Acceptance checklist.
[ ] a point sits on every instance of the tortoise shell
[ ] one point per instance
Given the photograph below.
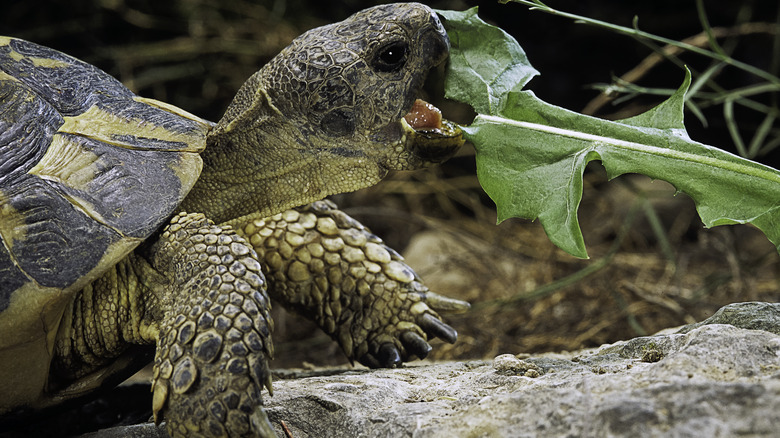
(88, 170)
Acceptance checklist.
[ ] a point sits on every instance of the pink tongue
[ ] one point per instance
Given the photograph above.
(423, 116)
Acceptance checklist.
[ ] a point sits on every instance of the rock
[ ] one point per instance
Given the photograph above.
(717, 378)
(754, 316)
(708, 379)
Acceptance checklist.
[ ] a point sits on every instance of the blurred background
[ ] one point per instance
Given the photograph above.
(652, 264)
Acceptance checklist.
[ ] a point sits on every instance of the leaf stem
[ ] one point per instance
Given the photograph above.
(731, 124)
(639, 34)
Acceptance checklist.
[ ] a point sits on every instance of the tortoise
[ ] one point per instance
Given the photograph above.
(131, 228)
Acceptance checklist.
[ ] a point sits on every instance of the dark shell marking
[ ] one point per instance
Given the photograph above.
(80, 155)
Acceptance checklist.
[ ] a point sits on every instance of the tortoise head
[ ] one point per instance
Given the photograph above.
(351, 84)
(338, 108)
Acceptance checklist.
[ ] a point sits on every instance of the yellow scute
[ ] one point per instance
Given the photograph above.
(38, 62)
(206, 125)
(48, 62)
(67, 162)
(107, 127)
(6, 77)
(29, 326)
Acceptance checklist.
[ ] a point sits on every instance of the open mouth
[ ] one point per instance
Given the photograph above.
(423, 116)
(433, 138)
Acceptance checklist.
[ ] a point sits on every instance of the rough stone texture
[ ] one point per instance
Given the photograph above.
(717, 380)
(755, 316)
(707, 379)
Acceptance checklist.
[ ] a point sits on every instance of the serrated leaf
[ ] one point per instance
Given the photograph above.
(487, 65)
(531, 157)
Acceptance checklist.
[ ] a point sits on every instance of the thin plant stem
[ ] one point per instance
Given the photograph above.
(634, 32)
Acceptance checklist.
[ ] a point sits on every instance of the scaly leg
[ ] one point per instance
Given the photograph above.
(198, 293)
(214, 341)
(328, 267)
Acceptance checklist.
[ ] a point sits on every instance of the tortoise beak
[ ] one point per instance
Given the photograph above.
(428, 135)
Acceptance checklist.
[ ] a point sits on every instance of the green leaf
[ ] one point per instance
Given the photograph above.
(531, 155)
(487, 65)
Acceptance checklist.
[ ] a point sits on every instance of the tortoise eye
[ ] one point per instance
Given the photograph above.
(391, 57)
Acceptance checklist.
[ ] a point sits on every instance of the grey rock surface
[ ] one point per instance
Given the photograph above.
(717, 380)
(709, 379)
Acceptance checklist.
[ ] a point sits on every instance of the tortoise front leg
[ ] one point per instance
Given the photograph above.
(198, 293)
(328, 267)
(214, 340)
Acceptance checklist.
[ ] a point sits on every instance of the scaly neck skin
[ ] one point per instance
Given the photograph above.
(255, 164)
(245, 177)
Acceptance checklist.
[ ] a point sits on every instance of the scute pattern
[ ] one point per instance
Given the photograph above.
(66, 83)
(211, 360)
(322, 263)
(23, 139)
(69, 199)
(52, 245)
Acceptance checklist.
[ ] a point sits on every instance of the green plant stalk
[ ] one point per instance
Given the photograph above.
(658, 230)
(731, 124)
(719, 54)
(705, 24)
(639, 34)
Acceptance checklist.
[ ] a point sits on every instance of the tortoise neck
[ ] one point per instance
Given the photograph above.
(263, 172)
(240, 177)
(258, 162)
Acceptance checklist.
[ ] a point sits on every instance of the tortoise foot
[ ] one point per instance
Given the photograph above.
(214, 343)
(327, 266)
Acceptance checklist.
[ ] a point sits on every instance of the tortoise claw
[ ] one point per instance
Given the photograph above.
(443, 304)
(415, 344)
(389, 357)
(435, 327)
(370, 361)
